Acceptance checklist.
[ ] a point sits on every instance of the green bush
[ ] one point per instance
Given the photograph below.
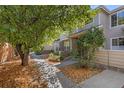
(53, 57)
(88, 43)
(75, 54)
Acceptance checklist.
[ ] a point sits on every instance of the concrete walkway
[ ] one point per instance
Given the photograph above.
(65, 82)
(67, 62)
(106, 79)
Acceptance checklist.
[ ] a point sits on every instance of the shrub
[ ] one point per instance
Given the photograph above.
(53, 57)
(38, 52)
(88, 43)
(75, 54)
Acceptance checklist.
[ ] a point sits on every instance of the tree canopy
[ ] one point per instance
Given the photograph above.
(31, 27)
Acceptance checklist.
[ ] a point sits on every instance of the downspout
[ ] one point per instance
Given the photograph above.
(108, 59)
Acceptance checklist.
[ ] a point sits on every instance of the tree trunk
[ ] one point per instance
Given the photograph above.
(25, 59)
(23, 55)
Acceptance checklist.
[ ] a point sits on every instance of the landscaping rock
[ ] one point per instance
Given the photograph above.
(49, 73)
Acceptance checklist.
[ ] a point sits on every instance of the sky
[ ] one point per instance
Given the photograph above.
(110, 7)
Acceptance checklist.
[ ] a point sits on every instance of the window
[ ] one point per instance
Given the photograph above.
(117, 19)
(121, 18)
(118, 42)
(114, 42)
(121, 41)
(114, 20)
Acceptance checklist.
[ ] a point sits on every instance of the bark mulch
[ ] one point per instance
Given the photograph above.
(77, 74)
(13, 75)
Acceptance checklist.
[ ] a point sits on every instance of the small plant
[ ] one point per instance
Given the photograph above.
(53, 57)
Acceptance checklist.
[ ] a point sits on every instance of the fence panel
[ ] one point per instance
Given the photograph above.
(110, 58)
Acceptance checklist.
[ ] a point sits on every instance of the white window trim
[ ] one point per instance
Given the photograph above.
(114, 38)
(117, 19)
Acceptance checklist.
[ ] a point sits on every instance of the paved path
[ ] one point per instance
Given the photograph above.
(106, 79)
(65, 82)
(67, 62)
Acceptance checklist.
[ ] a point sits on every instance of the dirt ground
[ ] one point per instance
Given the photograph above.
(77, 74)
(13, 75)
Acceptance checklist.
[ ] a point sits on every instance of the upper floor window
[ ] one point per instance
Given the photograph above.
(114, 20)
(117, 19)
(121, 18)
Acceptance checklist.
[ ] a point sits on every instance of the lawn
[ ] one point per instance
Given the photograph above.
(77, 74)
(13, 75)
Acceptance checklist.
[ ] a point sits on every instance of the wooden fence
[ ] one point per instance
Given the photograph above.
(113, 58)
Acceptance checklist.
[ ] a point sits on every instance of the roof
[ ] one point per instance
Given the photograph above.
(103, 8)
(117, 9)
(83, 30)
(110, 12)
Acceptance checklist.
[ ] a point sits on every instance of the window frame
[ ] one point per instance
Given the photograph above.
(118, 16)
(117, 41)
(117, 19)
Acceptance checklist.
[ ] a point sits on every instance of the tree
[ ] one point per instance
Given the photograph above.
(31, 27)
(89, 43)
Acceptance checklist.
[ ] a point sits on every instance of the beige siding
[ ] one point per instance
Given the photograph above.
(111, 58)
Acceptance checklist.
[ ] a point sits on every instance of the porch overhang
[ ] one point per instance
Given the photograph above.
(76, 35)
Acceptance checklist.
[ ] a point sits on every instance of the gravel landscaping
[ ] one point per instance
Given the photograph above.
(49, 73)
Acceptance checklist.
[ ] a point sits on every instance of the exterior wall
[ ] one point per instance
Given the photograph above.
(74, 44)
(95, 22)
(116, 31)
(56, 46)
(109, 32)
(65, 52)
(112, 58)
(104, 21)
(63, 47)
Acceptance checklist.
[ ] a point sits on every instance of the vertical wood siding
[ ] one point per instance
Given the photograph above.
(110, 58)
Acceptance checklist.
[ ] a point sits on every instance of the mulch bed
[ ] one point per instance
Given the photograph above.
(13, 75)
(77, 74)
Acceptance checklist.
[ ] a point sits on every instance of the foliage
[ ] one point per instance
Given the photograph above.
(88, 43)
(54, 57)
(74, 54)
(31, 27)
